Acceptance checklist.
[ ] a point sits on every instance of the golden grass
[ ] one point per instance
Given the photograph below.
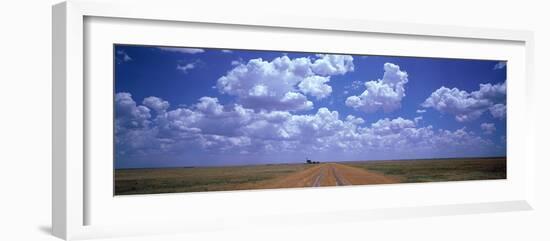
(200, 179)
(169, 180)
(410, 171)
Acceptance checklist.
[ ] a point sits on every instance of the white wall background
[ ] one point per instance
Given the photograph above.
(25, 119)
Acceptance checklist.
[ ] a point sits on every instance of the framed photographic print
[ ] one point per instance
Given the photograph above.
(191, 119)
(206, 122)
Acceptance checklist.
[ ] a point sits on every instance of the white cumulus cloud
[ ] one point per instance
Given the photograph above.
(210, 127)
(488, 128)
(468, 106)
(332, 64)
(283, 83)
(498, 111)
(385, 93)
(315, 86)
(156, 104)
(129, 114)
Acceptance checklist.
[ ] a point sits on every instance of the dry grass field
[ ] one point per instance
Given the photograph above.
(199, 179)
(410, 171)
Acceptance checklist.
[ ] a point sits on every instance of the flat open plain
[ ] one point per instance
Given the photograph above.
(199, 179)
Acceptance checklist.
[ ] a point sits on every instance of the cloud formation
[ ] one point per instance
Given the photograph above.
(182, 50)
(283, 83)
(382, 94)
(122, 56)
(488, 128)
(315, 86)
(468, 106)
(128, 114)
(210, 127)
(186, 67)
(332, 64)
(500, 65)
(498, 111)
(155, 103)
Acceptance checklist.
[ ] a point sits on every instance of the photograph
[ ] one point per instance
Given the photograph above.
(197, 119)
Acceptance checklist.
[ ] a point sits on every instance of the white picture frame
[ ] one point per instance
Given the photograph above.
(74, 200)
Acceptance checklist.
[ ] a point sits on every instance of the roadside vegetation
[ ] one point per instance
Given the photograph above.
(439, 170)
(200, 179)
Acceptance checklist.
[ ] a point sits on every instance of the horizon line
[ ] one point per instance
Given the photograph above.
(321, 162)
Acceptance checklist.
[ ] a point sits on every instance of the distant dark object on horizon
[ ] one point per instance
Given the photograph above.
(311, 162)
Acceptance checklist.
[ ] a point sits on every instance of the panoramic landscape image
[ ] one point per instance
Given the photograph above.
(190, 119)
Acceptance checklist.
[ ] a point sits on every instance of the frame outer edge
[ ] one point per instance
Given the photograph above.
(59, 115)
(531, 119)
(167, 10)
(67, 121)
(74, 119)
(68, 86)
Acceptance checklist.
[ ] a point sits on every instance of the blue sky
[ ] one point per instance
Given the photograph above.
(207, 107)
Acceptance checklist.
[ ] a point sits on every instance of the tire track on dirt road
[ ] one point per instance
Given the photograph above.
(340, 181)
(328, 174)
(319, 178)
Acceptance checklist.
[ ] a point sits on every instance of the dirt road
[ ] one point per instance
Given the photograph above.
(329, 174)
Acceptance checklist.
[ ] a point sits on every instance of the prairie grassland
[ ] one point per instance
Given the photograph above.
(198, 179)
(433, 170)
